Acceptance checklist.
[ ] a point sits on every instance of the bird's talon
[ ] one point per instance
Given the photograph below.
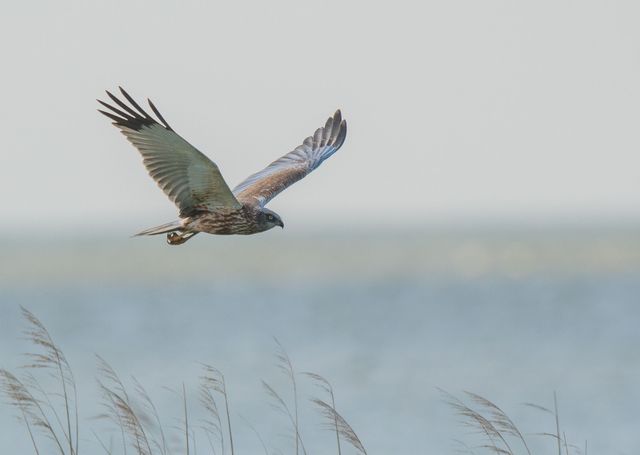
(174, 238)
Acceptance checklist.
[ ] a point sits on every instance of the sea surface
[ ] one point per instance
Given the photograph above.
(389, 318)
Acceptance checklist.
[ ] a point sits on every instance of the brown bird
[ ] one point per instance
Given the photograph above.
(194, 182)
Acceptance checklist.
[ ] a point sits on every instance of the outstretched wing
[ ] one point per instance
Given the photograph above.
(190, 179)
(269, 182)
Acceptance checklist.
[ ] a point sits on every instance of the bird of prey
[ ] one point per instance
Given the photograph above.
(194, 182)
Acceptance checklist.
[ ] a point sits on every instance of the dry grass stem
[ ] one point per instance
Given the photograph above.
(281, 406)
(214, 380)
(120, 409)
(257, 433)
(284, 363)
(52, 416)
(344, 429)
(497, 427)
(326, 386)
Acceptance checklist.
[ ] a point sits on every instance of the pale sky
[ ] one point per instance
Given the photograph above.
(456, 109)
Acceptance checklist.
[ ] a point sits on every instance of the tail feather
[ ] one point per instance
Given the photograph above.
(162, 229)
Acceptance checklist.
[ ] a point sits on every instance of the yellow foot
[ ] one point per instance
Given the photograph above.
(173, 238)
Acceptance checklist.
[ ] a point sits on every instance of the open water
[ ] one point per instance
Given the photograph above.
(388, 318)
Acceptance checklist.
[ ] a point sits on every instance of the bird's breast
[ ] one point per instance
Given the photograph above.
(224, 223)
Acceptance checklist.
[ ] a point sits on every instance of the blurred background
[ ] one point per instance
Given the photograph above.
(478, 230)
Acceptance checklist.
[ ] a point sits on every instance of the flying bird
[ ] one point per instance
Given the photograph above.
(194, 183)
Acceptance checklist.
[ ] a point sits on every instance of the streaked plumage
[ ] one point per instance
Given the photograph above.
(194, 182)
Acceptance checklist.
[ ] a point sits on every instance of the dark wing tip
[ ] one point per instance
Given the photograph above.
(159, 115)
(338, 125)
(134, 103)
(117, 121)
(337, 117)
(123, 91)
(342, 134)
(125, 116)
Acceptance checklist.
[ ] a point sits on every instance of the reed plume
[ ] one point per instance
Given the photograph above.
(326, 386)
(343, 428)
(213, 381)
(36, 408)
(498, 429)
(54, 414)
(120, 409)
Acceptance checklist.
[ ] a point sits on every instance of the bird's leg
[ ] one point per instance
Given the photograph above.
(179, 237)
(173, 238)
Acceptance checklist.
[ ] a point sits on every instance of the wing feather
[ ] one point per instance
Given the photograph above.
(263, 186)
(190, 179)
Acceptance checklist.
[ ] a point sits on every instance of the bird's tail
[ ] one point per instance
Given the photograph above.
(162, 229)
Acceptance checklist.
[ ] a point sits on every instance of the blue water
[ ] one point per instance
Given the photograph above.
(388, 321)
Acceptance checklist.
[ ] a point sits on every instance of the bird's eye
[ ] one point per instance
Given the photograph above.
(270, 217)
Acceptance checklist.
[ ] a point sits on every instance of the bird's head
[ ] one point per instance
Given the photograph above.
(269, 219)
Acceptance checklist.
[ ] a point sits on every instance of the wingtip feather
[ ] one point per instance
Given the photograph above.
(113, 117)
(342, 134)
(134, 103)
(337, 116)
(157, 112)
(130, 116)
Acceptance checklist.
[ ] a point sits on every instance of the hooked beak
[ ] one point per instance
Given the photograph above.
(281, 224)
